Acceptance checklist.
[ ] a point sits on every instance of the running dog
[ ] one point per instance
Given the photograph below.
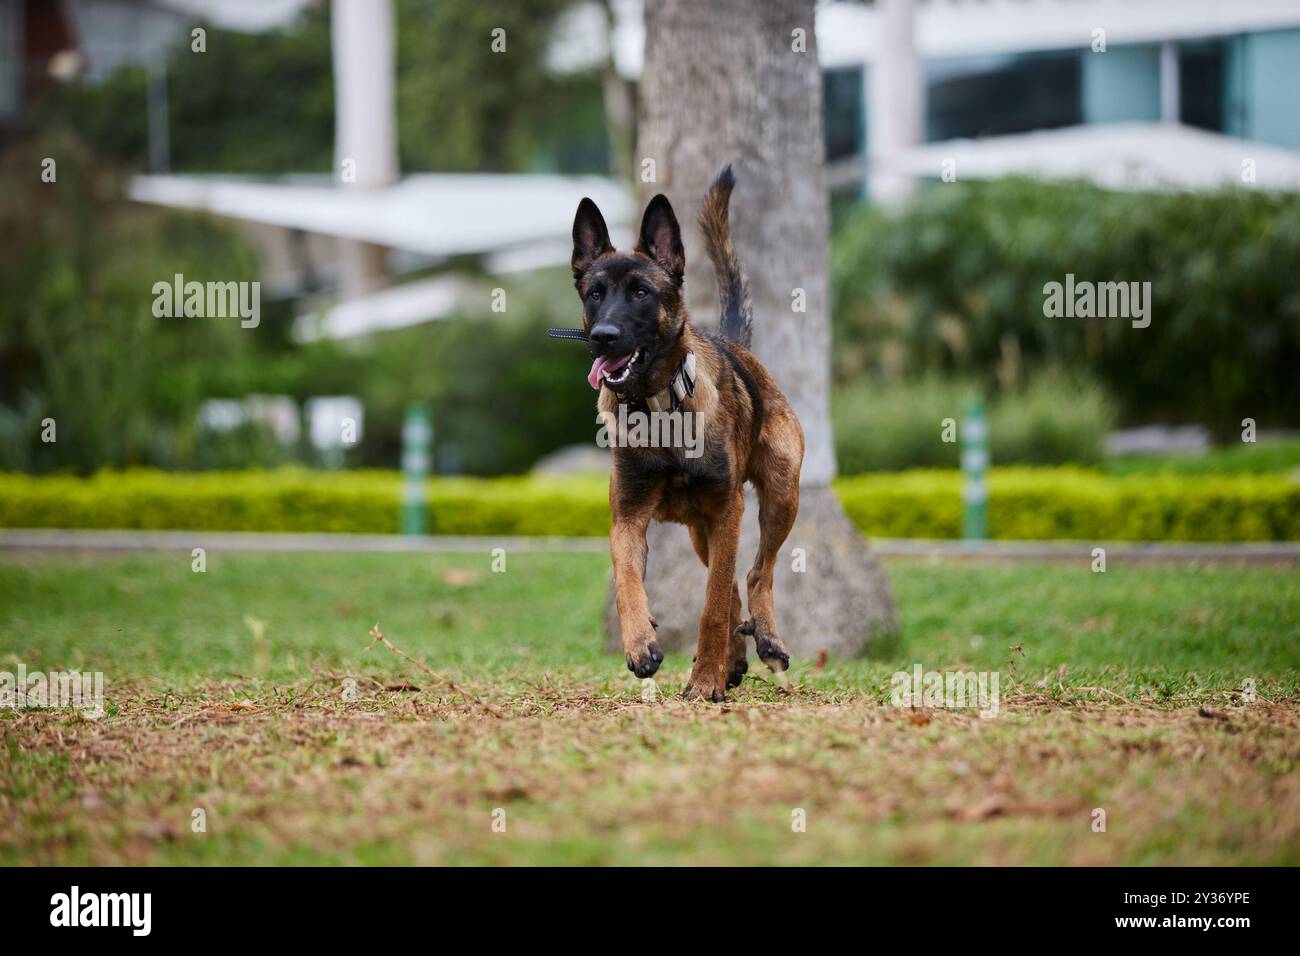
(646, 354)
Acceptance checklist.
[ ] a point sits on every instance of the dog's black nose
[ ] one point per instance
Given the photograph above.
(604, 335)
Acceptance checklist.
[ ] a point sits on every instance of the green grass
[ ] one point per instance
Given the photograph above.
(1103, 680)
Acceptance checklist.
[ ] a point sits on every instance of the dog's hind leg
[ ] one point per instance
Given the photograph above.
(778, 504)
(737, 660)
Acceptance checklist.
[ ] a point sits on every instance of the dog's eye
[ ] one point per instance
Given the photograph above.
(594, 295)
(640, 294)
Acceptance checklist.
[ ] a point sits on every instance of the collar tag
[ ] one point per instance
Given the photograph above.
(683, 383)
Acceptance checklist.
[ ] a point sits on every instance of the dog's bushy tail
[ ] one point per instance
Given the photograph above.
(733, 288)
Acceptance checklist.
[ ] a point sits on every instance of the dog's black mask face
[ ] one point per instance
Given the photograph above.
(631, 303)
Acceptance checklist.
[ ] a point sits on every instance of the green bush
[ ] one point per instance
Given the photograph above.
(361, 502)
(1055, 419)
(954, 283)
(888, 428)
(1074, 503)
(1025, 503)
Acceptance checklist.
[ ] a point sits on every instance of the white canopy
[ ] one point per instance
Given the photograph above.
(1116, 156)
(436, 214)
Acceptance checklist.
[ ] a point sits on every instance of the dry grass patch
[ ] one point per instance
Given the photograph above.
(586, 774)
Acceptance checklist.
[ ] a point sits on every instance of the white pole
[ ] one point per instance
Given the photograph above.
(1169, 95)
(896, 103)
(365, 136)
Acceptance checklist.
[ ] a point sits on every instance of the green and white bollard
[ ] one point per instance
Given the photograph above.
(974, 462)
(417, 458)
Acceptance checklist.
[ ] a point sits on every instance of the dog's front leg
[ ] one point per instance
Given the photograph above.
(713, 653)
(627, 549)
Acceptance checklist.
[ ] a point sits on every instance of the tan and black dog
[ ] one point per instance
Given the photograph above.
(647, 355)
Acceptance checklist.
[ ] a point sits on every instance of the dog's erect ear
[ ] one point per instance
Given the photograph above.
(590, 237)
(661, 237)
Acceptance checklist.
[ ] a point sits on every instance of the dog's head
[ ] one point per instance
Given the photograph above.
(631, 302)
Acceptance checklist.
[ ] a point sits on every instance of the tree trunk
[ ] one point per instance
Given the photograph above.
(737, 81)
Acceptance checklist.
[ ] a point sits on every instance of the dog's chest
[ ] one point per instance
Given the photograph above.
(690, 486)
(685, 500)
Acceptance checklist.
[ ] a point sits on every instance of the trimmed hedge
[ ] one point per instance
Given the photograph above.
(1024, 503)
(1073, 503)
(292, 499)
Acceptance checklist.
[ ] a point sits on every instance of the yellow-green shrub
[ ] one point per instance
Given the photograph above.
(1064, 503)
(1025, 503)
(301, 500)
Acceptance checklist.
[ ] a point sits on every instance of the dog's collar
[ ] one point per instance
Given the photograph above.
(678, 389)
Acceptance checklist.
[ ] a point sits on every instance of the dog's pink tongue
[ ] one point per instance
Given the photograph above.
(605, 364)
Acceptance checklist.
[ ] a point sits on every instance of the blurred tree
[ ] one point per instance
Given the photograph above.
(251, 103)
(79, 342)
(465, 106)
(264, 102)
(956, 283)
(255, 102)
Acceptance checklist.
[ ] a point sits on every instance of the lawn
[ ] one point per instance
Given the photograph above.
(253, 692)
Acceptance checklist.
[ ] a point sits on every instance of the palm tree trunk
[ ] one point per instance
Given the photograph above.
(738, 81)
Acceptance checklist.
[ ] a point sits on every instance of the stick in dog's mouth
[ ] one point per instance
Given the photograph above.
(579, 335)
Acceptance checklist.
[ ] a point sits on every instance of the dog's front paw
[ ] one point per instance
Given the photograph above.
(704, 685)
(644, 658)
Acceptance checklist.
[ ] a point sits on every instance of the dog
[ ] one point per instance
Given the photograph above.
(647, 354)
